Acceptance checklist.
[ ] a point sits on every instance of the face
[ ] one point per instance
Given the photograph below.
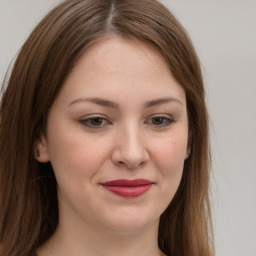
(117, 137)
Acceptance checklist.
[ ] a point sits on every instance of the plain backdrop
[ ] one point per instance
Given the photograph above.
(224, 35)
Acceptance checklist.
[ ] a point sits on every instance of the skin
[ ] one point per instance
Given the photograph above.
(133, 137)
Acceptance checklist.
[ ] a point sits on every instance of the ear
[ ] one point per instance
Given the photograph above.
(187, 152)
(189, 145)
(41, 151)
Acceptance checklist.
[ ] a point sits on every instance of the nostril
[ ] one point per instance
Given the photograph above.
(130, 151)
(131, 164)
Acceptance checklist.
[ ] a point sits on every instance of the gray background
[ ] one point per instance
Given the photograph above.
(224, 34)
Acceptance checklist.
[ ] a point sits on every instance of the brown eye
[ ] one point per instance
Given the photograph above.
(97, 121)
(94, 122)
(160, 121)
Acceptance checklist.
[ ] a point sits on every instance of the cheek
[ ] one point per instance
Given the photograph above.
(75, 156)
(76, 160)
(169, 158)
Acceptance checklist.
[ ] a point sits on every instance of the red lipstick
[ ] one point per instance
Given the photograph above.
(128, 188)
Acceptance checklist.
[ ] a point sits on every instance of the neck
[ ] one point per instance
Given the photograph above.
(81, 238)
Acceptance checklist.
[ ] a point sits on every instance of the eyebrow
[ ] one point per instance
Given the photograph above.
(161, 101)
(111, 104)
(98, 101)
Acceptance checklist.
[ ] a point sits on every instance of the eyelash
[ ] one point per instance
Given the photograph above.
(88, 121)
(166, 121)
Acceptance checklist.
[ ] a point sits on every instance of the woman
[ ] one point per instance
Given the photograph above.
(104, 136)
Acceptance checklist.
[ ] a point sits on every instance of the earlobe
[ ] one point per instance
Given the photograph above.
(188, 151)
(188, 146)
(41, 150)
(187, 154)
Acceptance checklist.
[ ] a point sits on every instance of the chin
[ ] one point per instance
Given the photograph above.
(130, 221)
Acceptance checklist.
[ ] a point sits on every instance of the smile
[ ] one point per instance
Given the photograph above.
(128, 188)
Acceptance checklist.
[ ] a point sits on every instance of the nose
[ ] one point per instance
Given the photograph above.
(130, 149)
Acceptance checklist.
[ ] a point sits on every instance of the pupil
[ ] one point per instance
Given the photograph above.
(158, 120)
(96, 121)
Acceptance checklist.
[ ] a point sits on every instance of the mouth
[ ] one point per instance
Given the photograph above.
(128, 188)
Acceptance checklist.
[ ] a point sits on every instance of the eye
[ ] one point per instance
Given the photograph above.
(160, 121)
(94, 122)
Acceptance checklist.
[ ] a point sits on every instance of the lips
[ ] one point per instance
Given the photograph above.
(128, 188)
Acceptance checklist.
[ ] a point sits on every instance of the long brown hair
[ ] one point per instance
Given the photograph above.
(28, 198)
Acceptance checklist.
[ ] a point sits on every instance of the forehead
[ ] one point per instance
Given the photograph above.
(115, 54)
(119, 66)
